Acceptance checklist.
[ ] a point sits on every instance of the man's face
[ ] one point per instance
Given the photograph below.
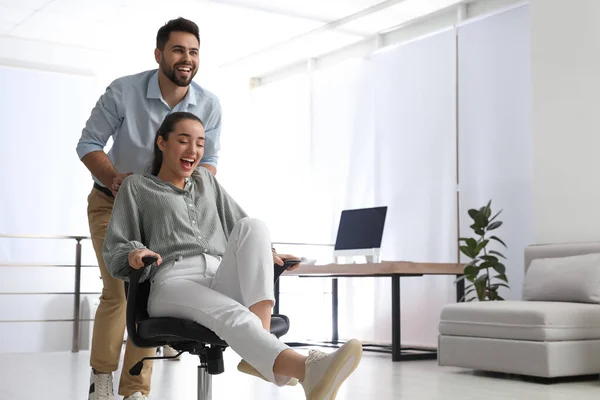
(179, 59)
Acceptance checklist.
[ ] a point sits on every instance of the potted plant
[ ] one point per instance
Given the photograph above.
(484, 262)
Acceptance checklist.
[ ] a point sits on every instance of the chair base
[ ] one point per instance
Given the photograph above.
(204, 382)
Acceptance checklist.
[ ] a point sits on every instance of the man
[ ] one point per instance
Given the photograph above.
(130, 111)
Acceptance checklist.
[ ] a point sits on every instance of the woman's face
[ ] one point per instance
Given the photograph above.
(183, 149)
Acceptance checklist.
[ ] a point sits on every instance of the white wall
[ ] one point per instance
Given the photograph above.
(566, 119)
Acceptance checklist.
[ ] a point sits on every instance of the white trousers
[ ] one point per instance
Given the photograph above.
(217, 294)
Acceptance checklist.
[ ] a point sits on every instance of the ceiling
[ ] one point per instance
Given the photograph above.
(250, 35)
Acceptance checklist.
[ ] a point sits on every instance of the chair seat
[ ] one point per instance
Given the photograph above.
(174, 330)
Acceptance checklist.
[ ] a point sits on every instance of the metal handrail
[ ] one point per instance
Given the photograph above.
(44, 293)
(44, 265)
(13, 321)
(304, 244)
(11, 236)
(77, 292)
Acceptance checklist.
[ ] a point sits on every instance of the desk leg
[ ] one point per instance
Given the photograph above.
(276, 307)
(460, 289)
(396, 335)
(334, 311)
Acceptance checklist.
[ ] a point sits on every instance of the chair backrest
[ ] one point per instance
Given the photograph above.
(137, 306)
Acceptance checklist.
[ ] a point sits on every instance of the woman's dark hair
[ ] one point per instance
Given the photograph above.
(175, 25)
(168, 125)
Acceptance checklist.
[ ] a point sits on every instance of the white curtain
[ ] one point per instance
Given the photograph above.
(44, 191)
(415, 117)
(383, 133)
(495, 133)
(343, 140)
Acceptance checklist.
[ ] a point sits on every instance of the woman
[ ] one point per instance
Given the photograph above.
(215, 265)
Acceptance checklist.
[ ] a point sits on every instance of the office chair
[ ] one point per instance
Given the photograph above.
(181, 334)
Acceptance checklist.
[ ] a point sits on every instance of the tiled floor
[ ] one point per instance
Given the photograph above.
(64, 376)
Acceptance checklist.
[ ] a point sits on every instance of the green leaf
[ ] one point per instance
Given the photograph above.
(467, 252)
(494, 225)
(495, 216)
(480, 287)
(497, 239)
(495, 286)
(481, 221)
(481, 246)
(502, 277)
(471, 272)
(501, 298)
(488, 209)
(500, 268)
(473, 213)
(472, 244)
(497, 253)
(487, 264)
(492, 260)
(479, 232)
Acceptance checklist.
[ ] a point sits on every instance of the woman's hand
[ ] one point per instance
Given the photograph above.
(135, 257)
(280, 258)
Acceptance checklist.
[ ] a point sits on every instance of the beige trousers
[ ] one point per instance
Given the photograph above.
(109, 322)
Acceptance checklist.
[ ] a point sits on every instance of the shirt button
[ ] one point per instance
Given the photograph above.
(194, 222)
(191, 205)
(199, 237)
(205, 250)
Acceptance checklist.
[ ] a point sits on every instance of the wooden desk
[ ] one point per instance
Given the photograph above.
(385, 269)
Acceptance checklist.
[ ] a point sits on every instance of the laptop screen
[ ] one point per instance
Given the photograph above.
(361, 229)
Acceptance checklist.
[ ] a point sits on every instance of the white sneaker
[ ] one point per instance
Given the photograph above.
(101, 387)
(325, 373)
(136, 396)
(246, 368)
(168, 351)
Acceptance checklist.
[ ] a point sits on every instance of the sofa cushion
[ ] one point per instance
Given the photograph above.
(522, 320)
(569, 279)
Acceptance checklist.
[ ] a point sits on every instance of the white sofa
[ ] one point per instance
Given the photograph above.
(553, 332)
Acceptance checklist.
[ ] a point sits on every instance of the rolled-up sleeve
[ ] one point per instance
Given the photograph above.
(124, 233)
(212, 144)
(103, 122)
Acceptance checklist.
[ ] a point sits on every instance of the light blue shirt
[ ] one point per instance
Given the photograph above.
(131, 111)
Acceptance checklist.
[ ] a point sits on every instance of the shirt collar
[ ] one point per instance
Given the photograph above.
(153, 88)
(189, 183)
(153, 91)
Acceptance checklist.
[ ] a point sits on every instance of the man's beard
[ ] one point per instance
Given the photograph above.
(171, 73)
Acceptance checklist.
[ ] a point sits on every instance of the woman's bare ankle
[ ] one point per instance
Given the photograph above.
(290, 363)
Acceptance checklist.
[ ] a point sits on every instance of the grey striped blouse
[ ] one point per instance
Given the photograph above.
(170, 221)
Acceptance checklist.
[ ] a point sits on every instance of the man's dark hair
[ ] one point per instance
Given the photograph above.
(175, 25)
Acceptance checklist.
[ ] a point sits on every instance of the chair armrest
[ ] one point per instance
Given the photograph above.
(133, 302)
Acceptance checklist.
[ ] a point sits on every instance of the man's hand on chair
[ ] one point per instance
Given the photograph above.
(117, 181)
(135, 257)
(280, 258)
